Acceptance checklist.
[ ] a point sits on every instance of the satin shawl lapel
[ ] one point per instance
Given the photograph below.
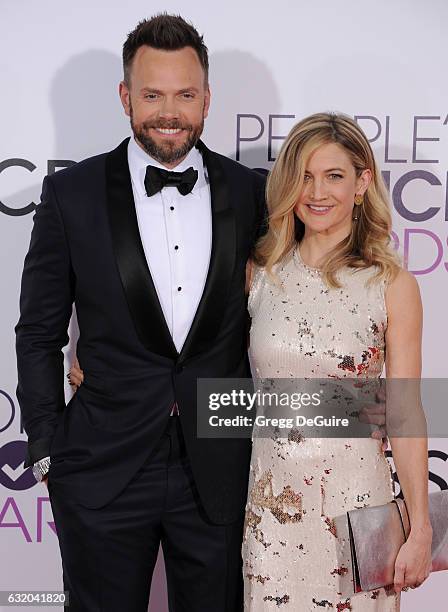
(136, 279)
(211, 308)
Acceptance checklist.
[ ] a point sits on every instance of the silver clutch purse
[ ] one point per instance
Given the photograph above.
(377, 533)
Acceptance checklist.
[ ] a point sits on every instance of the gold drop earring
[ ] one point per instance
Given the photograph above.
(358, 202)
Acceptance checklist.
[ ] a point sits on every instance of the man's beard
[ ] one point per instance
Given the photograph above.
(166, 153)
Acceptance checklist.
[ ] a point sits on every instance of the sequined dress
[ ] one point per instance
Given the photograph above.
(296, 554)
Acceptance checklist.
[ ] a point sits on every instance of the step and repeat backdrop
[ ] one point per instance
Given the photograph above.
(271, 63)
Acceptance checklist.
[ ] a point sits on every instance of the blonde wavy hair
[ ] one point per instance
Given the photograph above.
(369, 241)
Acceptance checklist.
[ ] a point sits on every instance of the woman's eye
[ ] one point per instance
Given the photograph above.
(334, 176)
(306, 178)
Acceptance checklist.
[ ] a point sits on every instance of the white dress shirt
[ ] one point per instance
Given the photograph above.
(176, 233)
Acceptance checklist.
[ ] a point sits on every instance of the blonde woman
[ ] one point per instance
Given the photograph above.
(329, 299)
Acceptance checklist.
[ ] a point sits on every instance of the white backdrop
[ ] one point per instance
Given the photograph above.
(270, 64)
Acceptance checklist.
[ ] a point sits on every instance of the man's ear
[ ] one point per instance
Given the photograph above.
(125, 97)
(207, 101)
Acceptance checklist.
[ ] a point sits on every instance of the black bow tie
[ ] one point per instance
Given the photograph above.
(156, 179)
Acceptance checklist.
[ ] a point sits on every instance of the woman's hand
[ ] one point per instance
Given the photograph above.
(375, 414)
(76, 375)
(413, 563)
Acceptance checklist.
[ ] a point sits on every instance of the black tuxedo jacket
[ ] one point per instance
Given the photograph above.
(86, 249)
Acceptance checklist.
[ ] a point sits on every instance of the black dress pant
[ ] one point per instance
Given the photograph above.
(108, 554)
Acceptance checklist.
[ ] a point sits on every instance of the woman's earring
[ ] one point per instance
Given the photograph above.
(358, 201)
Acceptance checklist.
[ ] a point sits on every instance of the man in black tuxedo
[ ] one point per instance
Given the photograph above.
(150, 241)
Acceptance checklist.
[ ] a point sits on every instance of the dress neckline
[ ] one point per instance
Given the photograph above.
(298, 259)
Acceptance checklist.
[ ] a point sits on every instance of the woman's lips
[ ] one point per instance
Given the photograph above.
(319, 210)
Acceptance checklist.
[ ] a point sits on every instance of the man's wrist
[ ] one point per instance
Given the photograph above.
(41, 468)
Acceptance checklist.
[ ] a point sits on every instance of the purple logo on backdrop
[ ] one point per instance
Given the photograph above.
(12, 518)
(10, 408)
(15, 478)
(12, 475)
(12, 454)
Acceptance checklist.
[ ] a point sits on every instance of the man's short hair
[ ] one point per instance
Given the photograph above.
(166, 32)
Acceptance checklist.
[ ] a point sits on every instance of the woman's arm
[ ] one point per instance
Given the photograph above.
(249, 275)
(403, 361)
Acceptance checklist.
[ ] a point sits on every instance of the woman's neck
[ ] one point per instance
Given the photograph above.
(315, 248)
